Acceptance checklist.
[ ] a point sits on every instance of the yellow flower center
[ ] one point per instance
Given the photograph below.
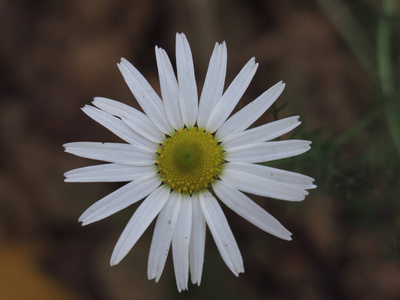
(190, 160)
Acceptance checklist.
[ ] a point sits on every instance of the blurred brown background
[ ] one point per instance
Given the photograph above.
(55, 56)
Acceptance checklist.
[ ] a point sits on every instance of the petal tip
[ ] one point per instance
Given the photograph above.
(113, 263)
(85, 222)
(115, 260)
(287, 235)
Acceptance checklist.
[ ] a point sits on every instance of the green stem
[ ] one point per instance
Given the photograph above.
(345, 23)
(384, 50)
(384, 57)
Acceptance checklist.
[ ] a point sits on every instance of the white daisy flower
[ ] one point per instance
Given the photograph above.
(182, 154)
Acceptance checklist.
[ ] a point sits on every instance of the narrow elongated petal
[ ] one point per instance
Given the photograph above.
(139, 222)
(162, 237)
(120, 199)
(133, 118)
(221, 233)
(123, 154)
(116, 126)
(262, 186)
(145, 95)
(262, 133)
(268, 151)
(213, 84)
(251, 112)
(231, 97)
(248, 209)
(109, 173)
(197, 242)
(300, 180)
(188, 97)
(180, 244)
(169, 89)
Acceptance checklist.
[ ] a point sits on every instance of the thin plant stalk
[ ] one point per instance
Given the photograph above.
(345, 23)
(385, 71)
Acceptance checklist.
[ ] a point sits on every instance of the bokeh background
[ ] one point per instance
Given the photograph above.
(340, 60)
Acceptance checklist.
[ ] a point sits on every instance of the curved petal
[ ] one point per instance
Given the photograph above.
(267, 151)
(169, 89)
(145, 95)
(116, 126)
(261, 133)
(262, 186)
(213, 84)
(108, 173)
(162, 237)
(120, 199)
(197, 241)
(248, 209)
(123, 154)
(231, 97)
(139, 222)
(300, 180)
(133, 118)
(221, 233)
(251, 112)
(188, 97)
(180, 244)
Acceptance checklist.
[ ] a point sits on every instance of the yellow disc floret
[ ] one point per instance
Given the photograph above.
(189, 160)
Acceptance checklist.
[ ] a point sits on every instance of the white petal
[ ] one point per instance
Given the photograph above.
(221, 233)
(145, 95)
(197, 242)
(300, 180)
(267, 151)
(262, 186)
(180, 244)
(139, 222)
(133, 118)
(162, 237)
(248, 209)
(188, 97)
(262, 133)
(108, 173)
(123, 154)
(231, 97)
(116, 126)
(169, 89)
(120, 199)
(251, 112)
(213, 84)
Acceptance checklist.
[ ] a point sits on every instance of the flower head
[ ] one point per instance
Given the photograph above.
(182, 154)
